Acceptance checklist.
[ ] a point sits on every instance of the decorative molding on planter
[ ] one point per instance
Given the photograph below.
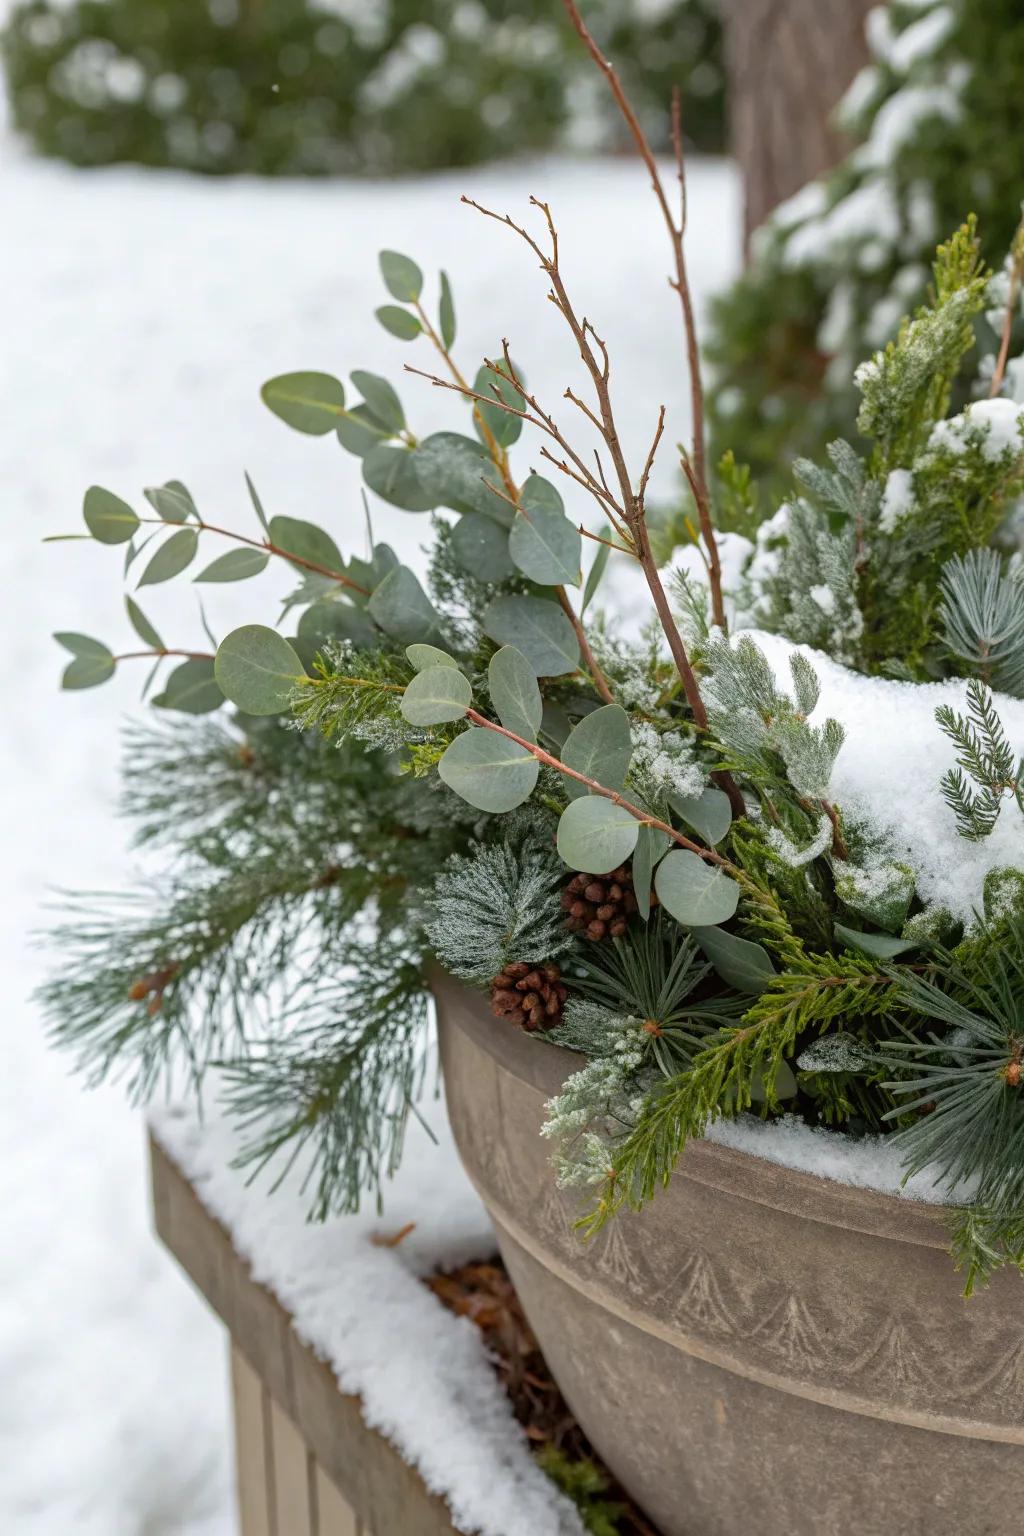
(308, 1463)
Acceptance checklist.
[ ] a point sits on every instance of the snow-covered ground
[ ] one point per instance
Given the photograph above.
(138, 316)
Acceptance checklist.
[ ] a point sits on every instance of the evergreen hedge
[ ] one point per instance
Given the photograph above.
(318, 87)
(939, 122)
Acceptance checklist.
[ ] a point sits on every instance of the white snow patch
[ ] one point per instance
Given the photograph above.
(873, 1162)
(889, 768)
(824, 597)
(422, 1374)
(922, 39)
(868, 213)
(1000, 422)
(897, 499)
(899, 118)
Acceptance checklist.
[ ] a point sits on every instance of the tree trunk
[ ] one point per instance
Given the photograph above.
(789, 62)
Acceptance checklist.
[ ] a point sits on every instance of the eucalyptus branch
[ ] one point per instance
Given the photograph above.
(162, 651)
(262, 544)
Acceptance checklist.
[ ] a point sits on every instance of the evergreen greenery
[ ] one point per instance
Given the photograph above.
(462, 748)
(318, 87)
(937, 118)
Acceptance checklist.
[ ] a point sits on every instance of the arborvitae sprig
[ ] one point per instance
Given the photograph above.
(356, 693)
(985, 755)
(338, 1091)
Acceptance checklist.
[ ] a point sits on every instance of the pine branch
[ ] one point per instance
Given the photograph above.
(985, 755)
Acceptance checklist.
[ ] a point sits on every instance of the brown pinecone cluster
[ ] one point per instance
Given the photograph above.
(530, 996)
(599, 906)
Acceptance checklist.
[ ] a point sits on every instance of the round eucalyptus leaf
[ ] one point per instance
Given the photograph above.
(399, 322)
(403, 610)
(380, 396)
(544, 544)
(359, 430)
(514, 692)
(330, 619)
(309, 402)
(236, 565)
(435, 695)
(480, 546)
(402, 277)
(695, 892)
(191, 688)
(141, 625)
(171, 558)
(536, 627)
(456, 471)
(488, 770)
(446, 312)
(257, 670)
(391, 472)
(595, 835)
(294, 536)
(423, 656)
(600, 746)
(109, 519)
(709, 814)
(739, 962)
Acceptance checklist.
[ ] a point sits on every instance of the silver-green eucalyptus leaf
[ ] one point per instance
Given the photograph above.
(514, 692)
(108, 519)
(172, 502)
(402, 277)
(739, 962)
(600, 746)
(141, 625)
(235, 565)
(458, 473)
(359, 430)
(308, 402)
(305, 541)
(596, 573)
(489, 771)
(423, 656)
(191, 689)
(708, 814)
(651, 845)
(536, 627)
(381, 397)
(446, 312)
(403, 610)
(480, 546)
(544, 544)
(436, 695)
(399, 322)
(596, 835)
(257, 670)
(391, 472)
(174, 556)
(696, 893)
(87, 671)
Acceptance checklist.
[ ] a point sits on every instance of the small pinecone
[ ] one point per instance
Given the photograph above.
(528, 995)
(599, 906)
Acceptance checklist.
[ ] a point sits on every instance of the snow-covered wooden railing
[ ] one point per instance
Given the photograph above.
(307, 1463)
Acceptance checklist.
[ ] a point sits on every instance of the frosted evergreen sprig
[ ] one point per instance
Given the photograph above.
(496, 906)
(982, 616)
(984, 755)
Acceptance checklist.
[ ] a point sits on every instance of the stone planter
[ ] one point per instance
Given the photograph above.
(760, 1352)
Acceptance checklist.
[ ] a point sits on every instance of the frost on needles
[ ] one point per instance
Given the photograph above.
(436, 767)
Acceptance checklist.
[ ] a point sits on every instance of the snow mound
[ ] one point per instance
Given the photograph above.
(889, 768)
(422, 1373)
(870, 1163)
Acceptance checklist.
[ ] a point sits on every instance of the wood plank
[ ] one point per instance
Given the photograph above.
(387, 1495)
(335, 1516)
(251, 1406)
(292, 1464)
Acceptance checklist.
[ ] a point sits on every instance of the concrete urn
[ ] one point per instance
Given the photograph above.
(760, 1352)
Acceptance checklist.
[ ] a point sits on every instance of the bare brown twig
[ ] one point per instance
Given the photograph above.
(676, 230)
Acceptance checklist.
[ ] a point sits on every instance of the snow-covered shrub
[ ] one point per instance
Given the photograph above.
(357, 86)
(938, 120)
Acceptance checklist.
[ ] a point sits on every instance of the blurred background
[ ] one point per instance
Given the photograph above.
(192, 197)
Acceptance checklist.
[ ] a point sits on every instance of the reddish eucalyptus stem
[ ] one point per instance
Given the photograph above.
(161, 651)
(266, 546)
(596, 788)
